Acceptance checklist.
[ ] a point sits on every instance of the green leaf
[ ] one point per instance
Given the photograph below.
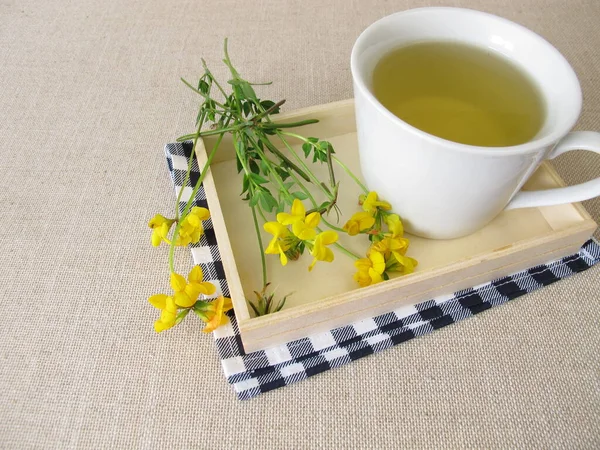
(284, 174)
(306, 148)
(266, 104)
(254, 308)
(281, 304)
(262, 307)
(301, 247)
(238, 164)
(263, 166)
(247, 90)
(238, 94)
(258, 179)
(255, 198)
(268, 301)
(288, 185)
(268, 202)
(254, 167)
(245, 184)
(240, 148)
(263, 203)
(299, 195)
(246, 108)
(203, 86)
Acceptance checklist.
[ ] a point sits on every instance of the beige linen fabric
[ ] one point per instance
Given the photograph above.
(90, 94)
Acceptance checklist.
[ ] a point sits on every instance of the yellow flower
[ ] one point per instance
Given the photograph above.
(394, 224)
(320, 252)
(160, 229)
(394, 250)
(191, 228)
(389, 245)
(401, 263)
(370, 203)
(360, 221)
(370, 269)
(297, 213)
(186, 294)
(277, 244)
(304, 229)
(214, 315)
(168, 313)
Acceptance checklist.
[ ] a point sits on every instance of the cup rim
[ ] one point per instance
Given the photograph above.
(529, 146)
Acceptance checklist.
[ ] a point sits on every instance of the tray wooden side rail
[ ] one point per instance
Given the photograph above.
(328, 297)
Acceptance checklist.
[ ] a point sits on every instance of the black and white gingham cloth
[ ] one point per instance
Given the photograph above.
(254, 373)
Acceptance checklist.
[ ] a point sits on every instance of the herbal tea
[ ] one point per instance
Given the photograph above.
(460, 92)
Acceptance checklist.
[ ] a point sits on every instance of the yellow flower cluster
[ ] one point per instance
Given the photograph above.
(286, 243)
(190, 229)
(185, 297)
(160, 226)
(387, 252)
(213, 313)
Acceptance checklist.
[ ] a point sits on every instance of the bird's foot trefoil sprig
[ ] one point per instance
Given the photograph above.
(275, 179)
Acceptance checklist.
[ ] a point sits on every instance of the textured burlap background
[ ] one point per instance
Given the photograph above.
(90, 93)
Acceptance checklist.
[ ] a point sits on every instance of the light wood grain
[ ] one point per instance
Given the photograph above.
(328, 297)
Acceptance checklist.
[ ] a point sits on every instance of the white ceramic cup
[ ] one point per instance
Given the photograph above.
(444, 189)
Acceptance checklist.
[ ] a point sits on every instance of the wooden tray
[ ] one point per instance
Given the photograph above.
(328, 297)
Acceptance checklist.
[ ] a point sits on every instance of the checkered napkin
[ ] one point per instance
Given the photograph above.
(254, 373)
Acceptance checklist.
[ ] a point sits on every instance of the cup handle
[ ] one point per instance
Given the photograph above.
(577, 140)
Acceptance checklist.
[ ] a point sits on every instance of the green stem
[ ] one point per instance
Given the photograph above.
(227, 60)
(343, 249)
(277, 125)
(187, 137)
(206, 96)
(192, 198)
(280, 155)
(262, 215)
(346, 251)
(350, 174)
(265, 112)
(260, 246)
(333, 227)
(303, 165)
(271, 169)
(330, 167)
(329, 156)
(212, 77)
(189, 167)
(305, 190)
